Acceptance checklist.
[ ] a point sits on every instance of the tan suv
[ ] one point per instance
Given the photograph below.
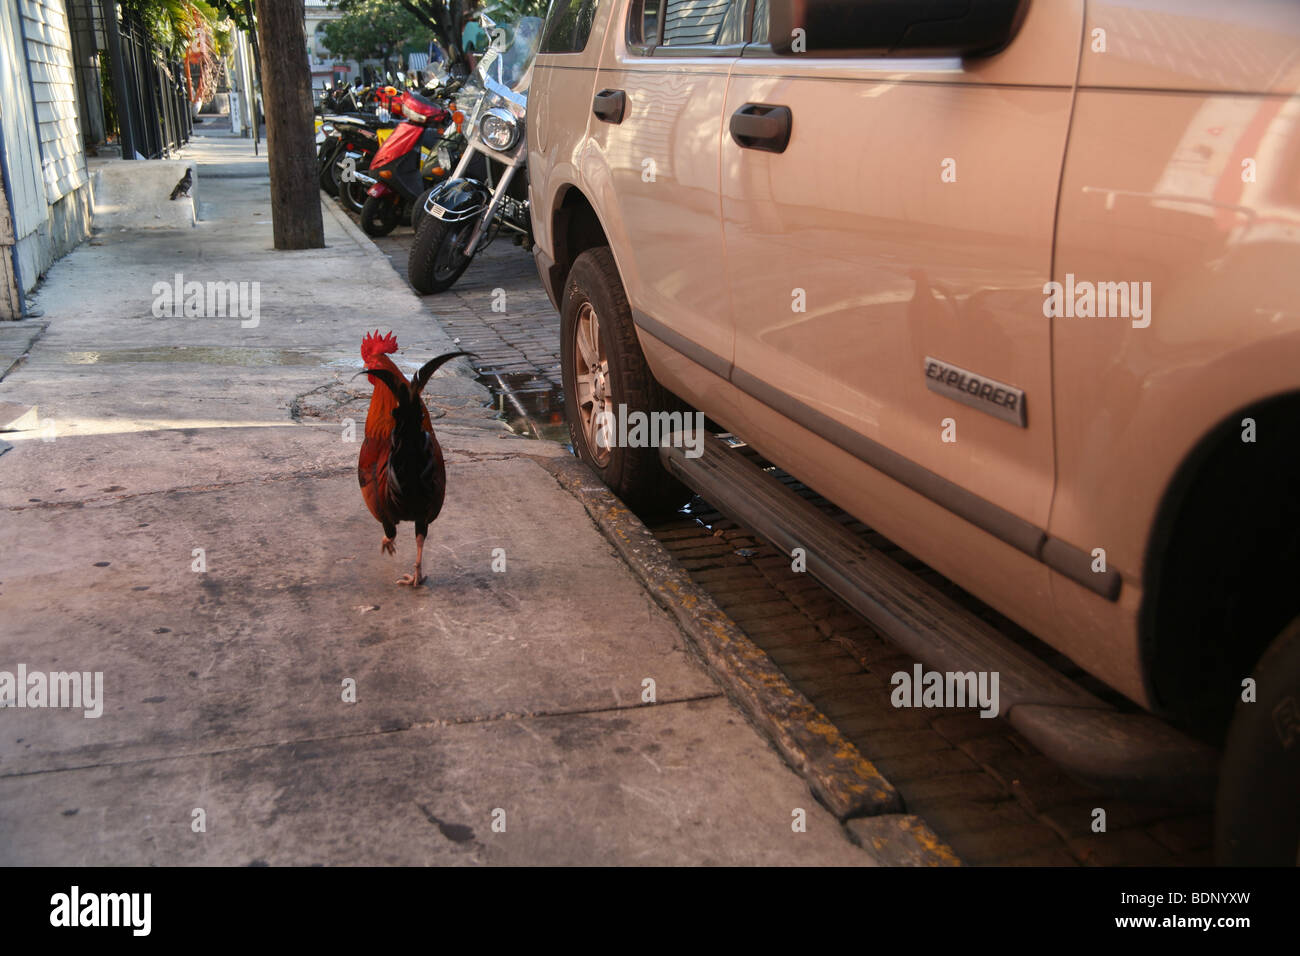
(1015, 283)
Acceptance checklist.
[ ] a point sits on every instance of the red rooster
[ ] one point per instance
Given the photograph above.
(401, 469)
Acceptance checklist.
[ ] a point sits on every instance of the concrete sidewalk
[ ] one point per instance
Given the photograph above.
(498, 716)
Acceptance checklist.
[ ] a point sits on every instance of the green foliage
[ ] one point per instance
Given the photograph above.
(172, 25)
(374, 29)
(239, 12)
(445, 18)
(509, 11)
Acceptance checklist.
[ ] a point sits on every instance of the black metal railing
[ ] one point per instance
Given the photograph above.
(152, 109)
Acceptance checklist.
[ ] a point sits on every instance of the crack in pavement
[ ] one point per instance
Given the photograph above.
(333, 472)
(505, 716)
(453, 457)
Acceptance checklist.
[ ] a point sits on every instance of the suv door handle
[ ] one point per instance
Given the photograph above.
(759, 126)
(609, 106)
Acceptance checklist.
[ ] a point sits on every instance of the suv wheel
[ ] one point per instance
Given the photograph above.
(604, 369)
(1257, 819)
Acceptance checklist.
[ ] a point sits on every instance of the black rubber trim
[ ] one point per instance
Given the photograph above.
(546, 271)
(700, 356)
(1025, 537)
(1017, 532)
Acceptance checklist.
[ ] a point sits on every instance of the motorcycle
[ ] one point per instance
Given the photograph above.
(356, 144)
(466, 212)
(397, 177)
(342, 98)
(352, 120)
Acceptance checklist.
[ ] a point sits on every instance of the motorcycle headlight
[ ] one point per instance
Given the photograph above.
(498, 129)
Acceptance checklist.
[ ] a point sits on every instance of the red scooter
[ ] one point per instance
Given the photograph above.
(395, 177)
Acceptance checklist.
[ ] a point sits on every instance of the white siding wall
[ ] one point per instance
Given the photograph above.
(22, 149)
(44, 160)
(49, 56)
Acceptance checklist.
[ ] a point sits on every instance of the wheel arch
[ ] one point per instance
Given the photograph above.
(575, 228)
(1222, 558)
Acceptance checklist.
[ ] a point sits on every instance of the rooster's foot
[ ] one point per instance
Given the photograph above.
(415, 579)
(387, 546)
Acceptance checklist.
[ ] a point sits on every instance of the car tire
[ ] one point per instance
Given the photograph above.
(619, 375)
(431, 265)
(379, 216)
(1257, 813)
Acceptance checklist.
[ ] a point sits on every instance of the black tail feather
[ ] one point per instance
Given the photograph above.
(400, 391)
(428, 368)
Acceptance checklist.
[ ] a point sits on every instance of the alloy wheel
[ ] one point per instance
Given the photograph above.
(595, 397)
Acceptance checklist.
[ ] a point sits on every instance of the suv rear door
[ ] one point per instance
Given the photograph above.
(902, 236)
(668, 63)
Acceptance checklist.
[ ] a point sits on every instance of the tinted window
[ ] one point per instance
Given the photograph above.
(567, 26)
(643, 23)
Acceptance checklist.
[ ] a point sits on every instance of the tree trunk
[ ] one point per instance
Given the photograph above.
(290, 131)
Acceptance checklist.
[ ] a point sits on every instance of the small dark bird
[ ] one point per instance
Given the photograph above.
(401, 470)
(182, 188)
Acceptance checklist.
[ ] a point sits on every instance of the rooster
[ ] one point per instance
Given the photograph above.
(401, 469)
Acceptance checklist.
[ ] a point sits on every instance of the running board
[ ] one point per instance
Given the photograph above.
(1130, 755)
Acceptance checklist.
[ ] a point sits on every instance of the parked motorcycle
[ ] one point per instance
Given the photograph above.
(397, 177)
(488, 191)
(358, 144)
(347, 142)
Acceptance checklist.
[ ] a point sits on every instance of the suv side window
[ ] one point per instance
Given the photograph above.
(684, 23)
(568, 25)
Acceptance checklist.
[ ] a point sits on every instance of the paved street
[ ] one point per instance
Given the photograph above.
(186, 520)
(499, 311)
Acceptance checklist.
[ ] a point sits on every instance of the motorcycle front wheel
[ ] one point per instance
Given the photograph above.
(379, 216)
(417, 211)
(437, 257)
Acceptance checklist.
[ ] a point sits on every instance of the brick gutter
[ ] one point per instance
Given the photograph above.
(839, 776)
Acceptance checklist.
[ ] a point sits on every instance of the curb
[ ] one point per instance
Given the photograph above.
(354, 232)
(901, 840)
(843, 780)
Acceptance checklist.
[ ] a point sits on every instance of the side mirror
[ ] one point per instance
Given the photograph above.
(903, 28)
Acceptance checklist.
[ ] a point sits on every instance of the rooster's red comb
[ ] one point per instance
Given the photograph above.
(374, 344)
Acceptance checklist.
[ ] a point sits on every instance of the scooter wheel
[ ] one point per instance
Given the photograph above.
(352, 196)
(379, 216)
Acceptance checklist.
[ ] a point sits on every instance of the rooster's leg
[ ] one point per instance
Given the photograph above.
(387, 546)
(416, 578)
